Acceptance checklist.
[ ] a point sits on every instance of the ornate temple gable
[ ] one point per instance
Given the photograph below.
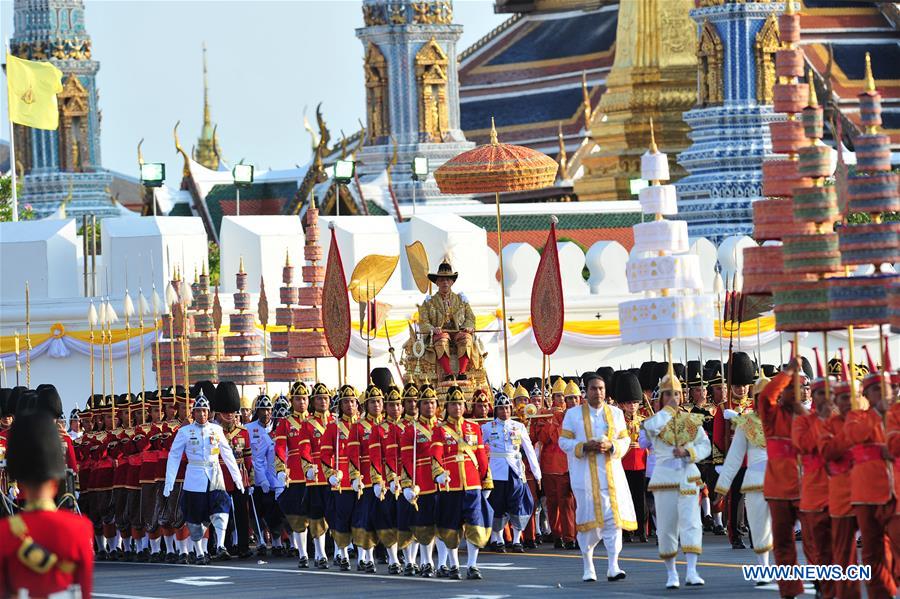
(431, 77)
(709, 66)
(767, 43)
(376, 95)
(73, 124)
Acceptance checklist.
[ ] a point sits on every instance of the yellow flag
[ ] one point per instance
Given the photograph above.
(32, 87)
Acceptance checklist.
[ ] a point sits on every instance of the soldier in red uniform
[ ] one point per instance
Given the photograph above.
(462, 474)
(814, 517)
(316, 482)
(777, 406)
(555, 470)
(383, 455)
(419, 489)
(290, 445)
(628, 396)
(363, 522)
(42, 551)
(872, 487)
(392, 462)
(227, 406)
(144, 436)
(338, 452)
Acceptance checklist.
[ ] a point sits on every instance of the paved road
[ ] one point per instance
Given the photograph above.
(542, 573)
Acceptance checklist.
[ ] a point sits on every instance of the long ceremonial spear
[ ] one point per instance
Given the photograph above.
(143, 309)
(92, 321)
(102, 321)
(18, 363)
(112, 317)
(128, 312)
(27, 336)
(171, 301)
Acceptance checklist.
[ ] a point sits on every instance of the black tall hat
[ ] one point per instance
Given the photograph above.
(382, 378)
(713, 365)
(33, 451)
(648, 377)
(694, 373)
(27, 402)
(227, 398)
(680, 371)
(4, 402)
(628, 387)
(742, 369)
(768, 370)
(50, 401)
(208, 388)
(606, 373)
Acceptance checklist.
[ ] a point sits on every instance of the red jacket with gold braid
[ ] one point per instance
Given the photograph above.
(384, 452)
(421, 434)
(457, 448)
(239, 439)
(311, 455)
(339, 452)
(292, 446)
(362, 433)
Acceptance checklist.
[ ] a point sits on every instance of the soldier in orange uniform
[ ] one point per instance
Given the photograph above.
(290, 446)
(777, 407)
(814, 516)
(872, 488)
(42, 551)
(419, 489)
(461, 472)
(555, 470)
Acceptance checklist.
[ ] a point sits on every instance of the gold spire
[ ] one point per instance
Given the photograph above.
(563, 162)
(241, 265)
(196, 275)
(586, 101)
(494, 141)
(206, 119)
(206, 152)
(789, 8)
(870, 79)
(205, 273)
(813, 100)
(287, 257)
(653, 147)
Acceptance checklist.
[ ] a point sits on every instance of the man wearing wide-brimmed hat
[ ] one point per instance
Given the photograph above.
(449, 319)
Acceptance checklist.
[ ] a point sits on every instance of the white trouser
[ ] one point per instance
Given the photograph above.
(678, 517)
(760, 521)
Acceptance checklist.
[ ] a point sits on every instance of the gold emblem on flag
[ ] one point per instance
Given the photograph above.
(28, 96)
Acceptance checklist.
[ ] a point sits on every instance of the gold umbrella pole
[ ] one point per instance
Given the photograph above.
(543, 380)
(18, 363)
(854, 401)
(502, 287)
(27, 336)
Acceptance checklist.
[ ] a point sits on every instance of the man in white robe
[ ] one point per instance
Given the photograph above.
(595, 438)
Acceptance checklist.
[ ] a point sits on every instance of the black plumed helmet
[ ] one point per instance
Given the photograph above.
(382, 378)
(628, 387)
(34, 454)
(648, 377)
(227, 398)
(742, 369)
(606, 373)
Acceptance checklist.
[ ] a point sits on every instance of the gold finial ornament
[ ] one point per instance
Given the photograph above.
(287, 257)
(789, 8)
(494, 141)
(586, 101)
(563, 160)
(813, 99)
(870, 79)
(241, 265)
(653, 147)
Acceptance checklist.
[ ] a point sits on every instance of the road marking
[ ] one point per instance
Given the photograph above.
(285, 570)
(478, 596)
(643, 560)
(505, 566)
(112, 596)
(201, 581)
(534, 586)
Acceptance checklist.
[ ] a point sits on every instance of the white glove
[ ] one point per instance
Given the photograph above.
(718, 469)
(729, 414)
(278, 492)
(264, 486)
(333, 480)
(442, 479)
(282, 479)
(14, 492)
(378, 489)
(167, 490)
(486, 493)
(356, 484)
(393, 487)
(311, 474)
(410, 496)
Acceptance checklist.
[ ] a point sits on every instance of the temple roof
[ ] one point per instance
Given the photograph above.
(527, 74)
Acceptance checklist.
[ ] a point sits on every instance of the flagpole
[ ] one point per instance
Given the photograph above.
(12, 150)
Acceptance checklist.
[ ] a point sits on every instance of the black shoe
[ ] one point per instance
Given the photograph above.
(352, 553)
(261, 551)
(626, 537)
(337, 560)
(202, 560)
(192, 558)
(409, 570)
(738, 543)
(461, 376)
(570, 546)
(246, 553)
(294, 552)
(517, 548)
(442, 572)
(498, 547)
(277, 551)
(156, 558)
(619, 576)
(707, 523)
(394, 569)
(718, 530)
(171, 558)
(360, 566)
(322, 563)
(101, 556)
(642, 537)
(303, 563)
(453, 573)
(222, 555)
(117, 555)
(183, 559)
(370, 568)
(129, 556)
(474, 573)
(529, 545)
(558, 544)
(345, 565)
(144, 556)
(427, 571)
(449, 377)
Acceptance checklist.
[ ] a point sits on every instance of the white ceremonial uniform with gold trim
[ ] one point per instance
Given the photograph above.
(602, 497)
(750, 441)
(202, 446)
(676, 481)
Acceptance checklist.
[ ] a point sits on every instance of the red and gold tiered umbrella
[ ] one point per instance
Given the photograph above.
(497, 167)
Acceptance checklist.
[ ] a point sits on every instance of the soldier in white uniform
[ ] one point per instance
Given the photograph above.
(511, 499)
(205, 498)
(595, 438)
(679, 442)
(265, 481)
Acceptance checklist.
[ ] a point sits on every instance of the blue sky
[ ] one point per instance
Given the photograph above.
(267, 61)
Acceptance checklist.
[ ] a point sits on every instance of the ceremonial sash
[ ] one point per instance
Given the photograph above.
(812, 462)
(866, 452)
(461, 444)
(780, 449)
(841, 466)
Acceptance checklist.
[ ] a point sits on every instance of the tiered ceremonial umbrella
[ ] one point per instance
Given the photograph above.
(497, 167)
